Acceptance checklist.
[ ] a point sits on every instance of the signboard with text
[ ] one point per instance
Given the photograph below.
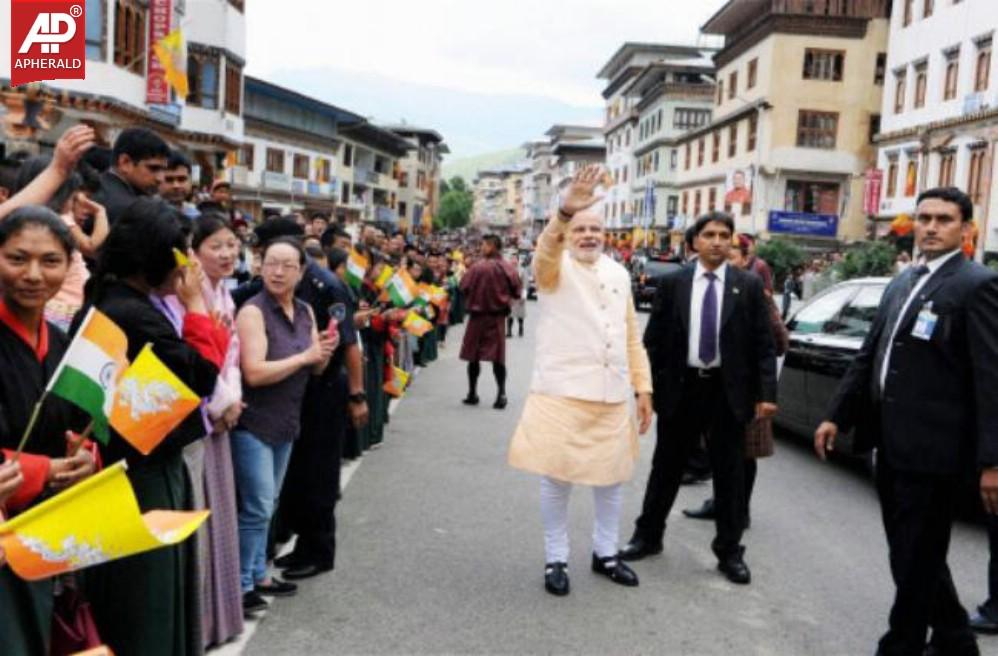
(157, 88)
(803, 224)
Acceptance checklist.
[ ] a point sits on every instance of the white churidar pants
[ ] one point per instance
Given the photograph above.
(607, 500)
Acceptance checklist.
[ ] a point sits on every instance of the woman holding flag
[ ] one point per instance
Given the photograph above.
(146, 604)
(35, 252)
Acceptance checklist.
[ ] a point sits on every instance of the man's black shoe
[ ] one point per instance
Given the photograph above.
(735, 569)
(501, 402)
(556, 579)
(637, 549)
(706, 511)
(253, 603)
(277, 588)
(614, 569)
(304, 571)
(288, 560)
(471, 399)
(984, 621)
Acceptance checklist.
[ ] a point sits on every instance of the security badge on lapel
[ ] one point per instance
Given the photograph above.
(926, 323)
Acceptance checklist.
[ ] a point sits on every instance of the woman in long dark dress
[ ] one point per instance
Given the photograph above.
(35, 251)
(145, 604)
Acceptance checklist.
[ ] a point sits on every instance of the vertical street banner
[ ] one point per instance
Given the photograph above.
(871, 191)
(157, 85)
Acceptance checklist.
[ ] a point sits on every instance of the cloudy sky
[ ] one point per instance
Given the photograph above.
(488, 76)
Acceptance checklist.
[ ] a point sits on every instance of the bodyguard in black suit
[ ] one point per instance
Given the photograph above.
(922, 390)
(713, 363)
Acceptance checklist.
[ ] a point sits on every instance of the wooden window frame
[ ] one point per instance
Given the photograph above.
(753, 72)
(130, 20)
(951, 78)
(196, 60)
(947, 168)
(701, 147)
(275, 160)
(246, 155)
(715, 147)
(233, 88)
(824, 65)
(810, 136)
(299, 166)
(976, 174)
(732, 140)
(732, 85)
(892, 176)
(921, 84)
(982, 69)
(753, 132)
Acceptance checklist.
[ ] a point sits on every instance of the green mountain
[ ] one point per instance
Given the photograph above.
(468, 167)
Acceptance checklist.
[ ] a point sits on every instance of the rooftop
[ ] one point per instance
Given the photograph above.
(632, 48)
(340, 115)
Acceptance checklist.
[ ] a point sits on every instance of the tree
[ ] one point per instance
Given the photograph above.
(455, 206)
(782, 256)
(871, 258)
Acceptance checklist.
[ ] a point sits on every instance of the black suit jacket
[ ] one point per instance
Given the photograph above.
(115, 195)
(748, 355)
(938, 411)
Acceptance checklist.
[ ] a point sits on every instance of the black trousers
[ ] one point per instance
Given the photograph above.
(704, 410)
(918, 511)
(991, 605)
(312, 485)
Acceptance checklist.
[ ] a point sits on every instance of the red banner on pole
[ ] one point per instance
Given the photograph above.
(160, 17)
(871, 191)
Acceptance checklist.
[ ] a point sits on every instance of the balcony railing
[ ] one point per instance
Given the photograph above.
(367, 176)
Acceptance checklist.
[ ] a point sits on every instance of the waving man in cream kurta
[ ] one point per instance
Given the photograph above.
(577, 425)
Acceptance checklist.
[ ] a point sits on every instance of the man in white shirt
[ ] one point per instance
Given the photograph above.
(713, 362)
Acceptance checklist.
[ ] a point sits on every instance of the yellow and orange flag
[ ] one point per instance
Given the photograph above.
(93, 522)
(150, 402)
(416, 325)
(395, 387)
(172, 54)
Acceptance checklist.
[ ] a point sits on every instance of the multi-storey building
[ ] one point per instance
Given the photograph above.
(419, 174)
(940, 107)
(305, 154)
(499, 198)
(538, 184)
(117, 91)
(672, 97)
(290, 158)
(572, 147)
(797, 102)
(620, 121)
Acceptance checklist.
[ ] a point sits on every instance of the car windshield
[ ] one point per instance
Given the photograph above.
(818, 315)
(654, 269)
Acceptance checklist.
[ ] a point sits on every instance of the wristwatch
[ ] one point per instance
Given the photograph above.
(359, 397)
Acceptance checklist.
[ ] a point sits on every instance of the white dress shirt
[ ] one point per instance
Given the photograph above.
(933, 265)
(696, 306)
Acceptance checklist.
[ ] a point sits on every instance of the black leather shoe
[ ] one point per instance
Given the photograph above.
(501, 402)
(277, 588)
(614, 569)
(253, 603)
(706, 511)
(637, 549)
(984, 621)
(304, 571)
(556, 579)
(471, 399)
(288, 560)
(735, 569)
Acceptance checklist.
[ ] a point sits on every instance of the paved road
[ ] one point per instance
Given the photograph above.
(441, 552)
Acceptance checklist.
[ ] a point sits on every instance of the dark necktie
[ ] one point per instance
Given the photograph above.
(708, 322)
(897, 301)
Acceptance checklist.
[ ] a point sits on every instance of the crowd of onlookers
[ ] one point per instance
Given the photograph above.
(284, 325)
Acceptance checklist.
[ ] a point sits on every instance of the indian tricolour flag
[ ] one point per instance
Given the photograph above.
(402, 289)
(89, 372)
(356, 268)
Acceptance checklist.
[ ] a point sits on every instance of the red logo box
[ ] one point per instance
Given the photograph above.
(48, 41)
